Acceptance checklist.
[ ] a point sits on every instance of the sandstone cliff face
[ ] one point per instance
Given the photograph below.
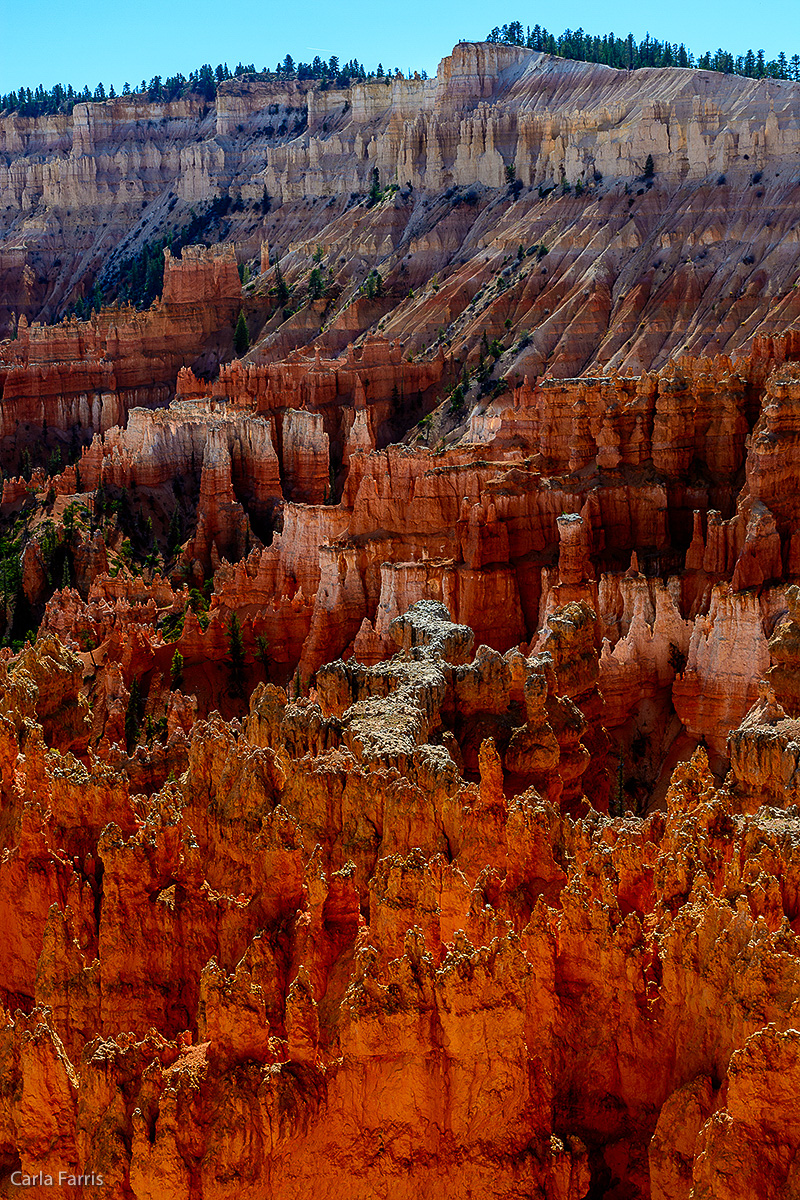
(488, 105)
(473, 526)
(82, 377)
(629, 280)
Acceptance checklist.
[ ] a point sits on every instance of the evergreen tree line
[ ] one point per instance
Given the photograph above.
(203, 82)
(613, 51)
(62, 99)
(331, 74)
(626, 53)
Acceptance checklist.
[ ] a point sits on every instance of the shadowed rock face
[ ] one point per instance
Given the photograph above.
(394, 969)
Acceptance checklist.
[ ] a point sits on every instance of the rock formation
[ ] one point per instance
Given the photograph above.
(399, 723)
(60, 383)
(474, 526)
(636, 271)
(394, 911)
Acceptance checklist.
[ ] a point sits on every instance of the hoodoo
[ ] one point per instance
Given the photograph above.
(400, 622)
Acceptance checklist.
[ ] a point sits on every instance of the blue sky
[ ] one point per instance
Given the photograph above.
(89, 41)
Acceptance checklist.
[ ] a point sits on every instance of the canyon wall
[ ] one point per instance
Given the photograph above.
(504, 148)
(488, 106)
(84, 376)
(557, 492)
(399, 704)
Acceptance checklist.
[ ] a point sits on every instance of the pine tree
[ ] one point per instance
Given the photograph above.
(133, 716)
(262, 650)
(176, 671)
(175, 531)
(375, 193)
(649, 167)
(236, 655)
(241, 338)
(457, 398)
(281, 289)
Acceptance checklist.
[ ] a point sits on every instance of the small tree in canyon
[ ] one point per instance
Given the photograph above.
(133, 715)
(241, 337)
(236, 655)
(176, 671)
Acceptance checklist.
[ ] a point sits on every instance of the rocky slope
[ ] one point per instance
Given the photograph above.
(399, 722)
(699, 258)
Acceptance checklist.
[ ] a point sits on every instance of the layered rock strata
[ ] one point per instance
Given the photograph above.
(500, 527)
(400, 794)
(67, 381)
(636, 270)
